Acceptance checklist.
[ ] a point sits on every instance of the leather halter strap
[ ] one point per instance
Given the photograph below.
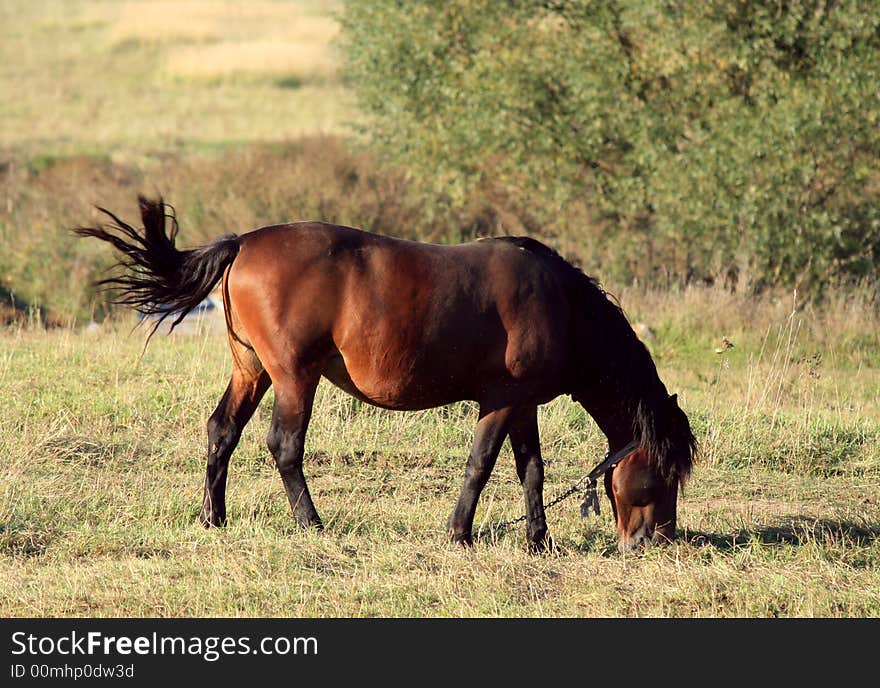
(591, 494)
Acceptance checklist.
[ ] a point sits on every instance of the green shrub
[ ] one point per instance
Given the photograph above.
(713, 140)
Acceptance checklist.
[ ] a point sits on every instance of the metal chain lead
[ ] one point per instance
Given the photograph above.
(582, 484)
(589, 484)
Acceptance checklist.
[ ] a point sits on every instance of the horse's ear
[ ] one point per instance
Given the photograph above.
(674, 400)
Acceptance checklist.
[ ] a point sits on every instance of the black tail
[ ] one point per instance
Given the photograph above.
(156, 278)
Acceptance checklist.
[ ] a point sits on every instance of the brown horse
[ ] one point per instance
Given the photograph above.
(505, 322)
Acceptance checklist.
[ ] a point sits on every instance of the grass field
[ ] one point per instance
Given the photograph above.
(103, 464)
(135, 78)
(102, 448)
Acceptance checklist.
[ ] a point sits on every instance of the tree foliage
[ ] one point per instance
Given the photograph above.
(712, 139)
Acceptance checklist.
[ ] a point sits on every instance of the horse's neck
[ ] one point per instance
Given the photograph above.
(614, 401)
(615, 419)
(613, 373)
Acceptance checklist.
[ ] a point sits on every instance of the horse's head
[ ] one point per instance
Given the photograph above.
(644, 503)
(643, 486)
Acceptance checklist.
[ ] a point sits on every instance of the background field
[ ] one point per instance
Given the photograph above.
(137, 77)
(102, 443)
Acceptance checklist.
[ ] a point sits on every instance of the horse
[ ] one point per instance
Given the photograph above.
(505, 322)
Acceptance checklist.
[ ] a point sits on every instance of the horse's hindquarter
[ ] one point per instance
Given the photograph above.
(406, 325)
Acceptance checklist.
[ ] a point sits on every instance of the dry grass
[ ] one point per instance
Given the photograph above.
(291, 61)
(215, 20)
(218, 40)
(103, 467)
(155, 76)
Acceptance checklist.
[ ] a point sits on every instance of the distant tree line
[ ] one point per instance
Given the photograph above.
(708, 140)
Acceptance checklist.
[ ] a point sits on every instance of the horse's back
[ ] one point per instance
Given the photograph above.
(399, 323)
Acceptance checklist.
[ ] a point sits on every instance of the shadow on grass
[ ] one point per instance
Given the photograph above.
(26, 540)
(796, 531)
(793, 531)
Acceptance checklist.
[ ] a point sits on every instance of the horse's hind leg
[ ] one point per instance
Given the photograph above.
(526, 446)
(243, 394)
(287, 437)
(490, 433)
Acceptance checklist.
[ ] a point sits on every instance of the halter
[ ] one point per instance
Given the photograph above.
(591, 494)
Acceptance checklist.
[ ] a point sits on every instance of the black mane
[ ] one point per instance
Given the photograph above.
(628, 370)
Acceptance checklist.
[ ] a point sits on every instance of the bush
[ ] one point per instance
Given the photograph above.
(42, 265)
(714, 140)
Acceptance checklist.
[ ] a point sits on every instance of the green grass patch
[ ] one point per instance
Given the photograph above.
(103, 464)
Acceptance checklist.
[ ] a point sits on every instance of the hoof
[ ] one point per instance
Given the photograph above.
(462, 539)
(543, 545)
(211, 521)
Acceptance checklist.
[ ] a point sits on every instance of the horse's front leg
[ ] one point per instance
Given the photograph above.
(490, 433)
(526, 446)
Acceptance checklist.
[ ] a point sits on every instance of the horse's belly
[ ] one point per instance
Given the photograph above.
(390, 390)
